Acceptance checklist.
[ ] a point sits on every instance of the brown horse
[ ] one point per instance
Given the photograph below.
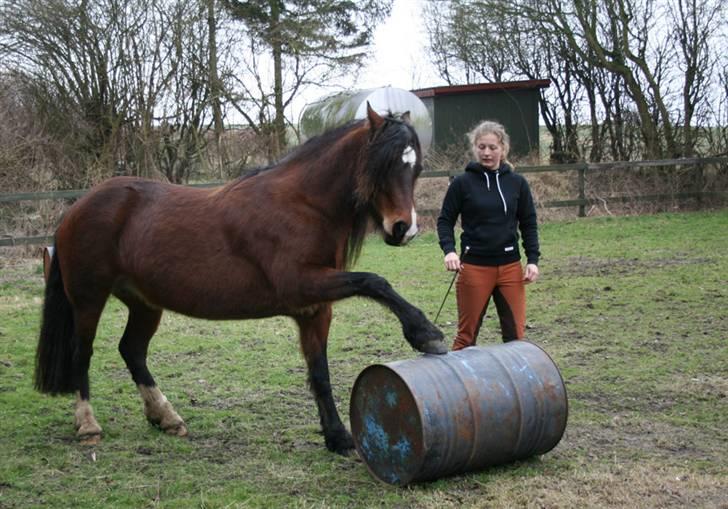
(274, 243)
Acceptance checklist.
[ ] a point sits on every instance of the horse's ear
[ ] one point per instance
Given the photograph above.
(406, 118)
(375, 120)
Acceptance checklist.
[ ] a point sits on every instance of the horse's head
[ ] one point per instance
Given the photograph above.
(393, 163)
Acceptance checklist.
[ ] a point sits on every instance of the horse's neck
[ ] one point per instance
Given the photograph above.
(332, 175)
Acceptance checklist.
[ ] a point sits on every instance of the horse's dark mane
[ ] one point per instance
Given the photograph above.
(246, 174)
(309, 148)
(316, 144)
(383, 151)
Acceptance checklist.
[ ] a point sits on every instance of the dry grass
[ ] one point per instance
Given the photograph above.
(631, 310)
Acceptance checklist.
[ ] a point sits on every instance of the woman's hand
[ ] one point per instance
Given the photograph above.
(452, 261)
(531, 273)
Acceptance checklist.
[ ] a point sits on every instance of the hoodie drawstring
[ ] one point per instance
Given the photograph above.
(497, 183)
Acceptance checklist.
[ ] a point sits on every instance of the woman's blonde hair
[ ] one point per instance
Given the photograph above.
(491, 127)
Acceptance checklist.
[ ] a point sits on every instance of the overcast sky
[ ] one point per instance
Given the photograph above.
(400, 50)
(399, 57)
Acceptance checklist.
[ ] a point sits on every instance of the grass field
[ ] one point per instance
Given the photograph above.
(632, 310)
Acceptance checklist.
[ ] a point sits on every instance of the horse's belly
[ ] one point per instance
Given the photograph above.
(210, 299)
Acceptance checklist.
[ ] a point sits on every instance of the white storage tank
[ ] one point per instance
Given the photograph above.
(340, 108)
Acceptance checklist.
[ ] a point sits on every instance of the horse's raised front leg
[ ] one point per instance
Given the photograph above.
(330, 285)
(314, 331)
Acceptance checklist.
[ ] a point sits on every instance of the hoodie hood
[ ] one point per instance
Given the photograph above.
(479, 168)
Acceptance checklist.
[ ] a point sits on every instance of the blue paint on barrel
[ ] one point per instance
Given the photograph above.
(438, 415)
(391, 398)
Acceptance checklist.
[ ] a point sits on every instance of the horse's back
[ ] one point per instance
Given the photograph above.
(170, 246)
(105, 211)
(121, 216)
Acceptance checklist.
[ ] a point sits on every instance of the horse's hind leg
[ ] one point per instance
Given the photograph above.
(141, 326)
(85, 322)
(314, 331)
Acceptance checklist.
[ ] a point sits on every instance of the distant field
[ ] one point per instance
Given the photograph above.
(631, 309)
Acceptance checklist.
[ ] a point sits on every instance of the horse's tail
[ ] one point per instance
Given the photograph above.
(57, 343)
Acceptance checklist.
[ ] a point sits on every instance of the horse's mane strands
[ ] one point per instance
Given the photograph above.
(384, 151)
(307, 149)
(314, 145)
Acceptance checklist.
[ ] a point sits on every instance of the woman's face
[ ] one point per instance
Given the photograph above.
(489, 151)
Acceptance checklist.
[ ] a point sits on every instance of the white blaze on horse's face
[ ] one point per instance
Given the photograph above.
(388, 226)
(409, 156)
(412, 229)
(395, 219)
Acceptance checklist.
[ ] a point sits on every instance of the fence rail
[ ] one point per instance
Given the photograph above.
(581, 201)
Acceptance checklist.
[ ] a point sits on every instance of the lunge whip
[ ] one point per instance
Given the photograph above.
(467, 248)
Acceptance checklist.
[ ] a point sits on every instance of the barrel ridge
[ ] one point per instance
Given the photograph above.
(566, 397)
(424, 415)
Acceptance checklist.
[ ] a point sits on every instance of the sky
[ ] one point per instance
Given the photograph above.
(399, 56)
(400, 50)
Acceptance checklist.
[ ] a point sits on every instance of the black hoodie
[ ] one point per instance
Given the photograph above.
(493, 205)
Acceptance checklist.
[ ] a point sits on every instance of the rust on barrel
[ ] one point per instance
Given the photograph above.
(438, 415)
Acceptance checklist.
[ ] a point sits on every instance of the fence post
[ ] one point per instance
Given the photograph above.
(582, 185)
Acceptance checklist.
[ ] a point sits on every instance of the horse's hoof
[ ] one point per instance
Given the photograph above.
(347, 453)
(434, 346)
(179, 430)
(341, 443)
(89, 439)
(88, 430)
(429, 339)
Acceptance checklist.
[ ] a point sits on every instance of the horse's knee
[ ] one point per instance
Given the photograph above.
(318, 375)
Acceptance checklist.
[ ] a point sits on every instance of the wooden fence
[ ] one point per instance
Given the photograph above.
(580, 169)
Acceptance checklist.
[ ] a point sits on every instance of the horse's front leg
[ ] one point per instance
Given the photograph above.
(314, 332)
(330, 285)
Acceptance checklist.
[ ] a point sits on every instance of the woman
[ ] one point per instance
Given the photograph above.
(493, 203)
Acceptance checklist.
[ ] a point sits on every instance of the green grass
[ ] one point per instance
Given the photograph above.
(631, 309)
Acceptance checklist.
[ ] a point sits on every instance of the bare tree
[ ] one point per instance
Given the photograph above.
(631, 39)
(621, 64)
(131, 85)
(695, 23)
(306, 42)
(468, 46)
(464, 47)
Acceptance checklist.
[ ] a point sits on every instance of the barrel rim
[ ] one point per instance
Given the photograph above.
(404, 481)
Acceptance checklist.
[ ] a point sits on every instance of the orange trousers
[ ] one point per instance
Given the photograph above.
(475, 286)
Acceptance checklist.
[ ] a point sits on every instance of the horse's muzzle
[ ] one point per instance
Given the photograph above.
(401, 234)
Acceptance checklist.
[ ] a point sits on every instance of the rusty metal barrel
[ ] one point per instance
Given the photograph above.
(439, 415)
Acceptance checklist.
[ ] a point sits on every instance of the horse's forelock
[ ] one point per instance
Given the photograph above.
(383, 154)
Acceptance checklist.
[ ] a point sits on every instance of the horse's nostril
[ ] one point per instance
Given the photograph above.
(399, 229)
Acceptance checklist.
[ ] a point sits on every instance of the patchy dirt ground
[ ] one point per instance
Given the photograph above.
(632, 310)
